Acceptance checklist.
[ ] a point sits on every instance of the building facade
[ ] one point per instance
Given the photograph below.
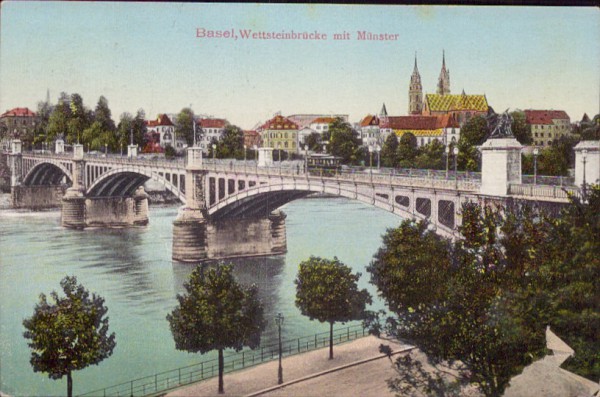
(426, 129)
(280, 133)
(160, 133)
(209, 130)
(18, 123)
(251, 139)
(547, 125)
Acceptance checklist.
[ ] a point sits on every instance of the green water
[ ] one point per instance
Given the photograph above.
(132, 269)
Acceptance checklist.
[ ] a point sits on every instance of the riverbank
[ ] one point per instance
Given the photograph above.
(358, 369)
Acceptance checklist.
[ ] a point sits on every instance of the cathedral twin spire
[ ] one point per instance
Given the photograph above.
(415, 91)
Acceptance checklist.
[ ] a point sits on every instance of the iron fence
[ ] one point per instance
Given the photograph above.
(167, 380)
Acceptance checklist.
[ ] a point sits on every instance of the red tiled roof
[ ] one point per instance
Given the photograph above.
(323, 120)
(18, 112)
(369, 120)
(280, 123)
(162, 119)
(419, 122)
(544, 116)
(213, 123)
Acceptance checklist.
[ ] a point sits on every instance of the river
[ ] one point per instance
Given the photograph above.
(132, 269)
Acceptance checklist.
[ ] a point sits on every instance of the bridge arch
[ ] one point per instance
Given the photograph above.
(121, 182)
(262, 199)
(47, 172)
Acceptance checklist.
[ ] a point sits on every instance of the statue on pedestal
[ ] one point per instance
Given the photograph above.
(499, 125)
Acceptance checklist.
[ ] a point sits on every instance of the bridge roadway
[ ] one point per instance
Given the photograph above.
(109, 190)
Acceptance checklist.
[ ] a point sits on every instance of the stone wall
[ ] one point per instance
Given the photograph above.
(37, 197)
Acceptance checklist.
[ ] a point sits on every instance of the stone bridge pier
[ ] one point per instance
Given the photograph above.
(80, 211)
(197, 237)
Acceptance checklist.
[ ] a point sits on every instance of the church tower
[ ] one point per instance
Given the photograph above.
(415, 92)
(443, 87)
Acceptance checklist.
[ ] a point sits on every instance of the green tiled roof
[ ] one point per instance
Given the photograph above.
(446, 103)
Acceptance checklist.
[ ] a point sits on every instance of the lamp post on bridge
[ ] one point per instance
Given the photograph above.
(455, 151)
(371, 160)
(536, 151)
(121, 149)
(214, 148)
(106, 150)
(584, 153)
(447, 150)
(306, 159)
(279, 322)
(378, 150)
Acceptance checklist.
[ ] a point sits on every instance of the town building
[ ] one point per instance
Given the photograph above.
(426, 129)
(251, 139)
(17, 123)
(304, 120)
(547, 125)
(209, 130)
(160, 133)
(280, 133)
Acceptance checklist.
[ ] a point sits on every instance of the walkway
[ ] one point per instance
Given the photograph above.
(357, 369)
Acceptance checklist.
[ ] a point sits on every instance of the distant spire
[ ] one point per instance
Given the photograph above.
(383, 112)
(444, 59)
(463, 92)
(416, 69)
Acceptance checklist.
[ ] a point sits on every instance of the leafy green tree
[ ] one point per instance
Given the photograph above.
(590, 129)
(80, 119)
(407, 150)
(520, 129)
(327, 290)
(102, 115)
(231, 144)
(344, 141)
(69, 334)
(431, 156)
(389, 151)
(139, 128)
(44, 110)
(170, 152)
(472, 134)
(59, 119)
(314, 142)
(216, 313)
(184, 125)
(124, 129)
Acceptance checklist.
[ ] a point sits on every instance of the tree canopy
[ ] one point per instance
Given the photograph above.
(184, 125)
(327, 290)
(343, 142)
(69, 333)
(485, 300)
(231, 144)
(216, 313)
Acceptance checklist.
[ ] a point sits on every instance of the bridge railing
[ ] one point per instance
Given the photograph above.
(160, 382)
(548, 180)
(544, 191)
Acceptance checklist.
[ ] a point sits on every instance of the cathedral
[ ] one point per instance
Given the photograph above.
(460, 107)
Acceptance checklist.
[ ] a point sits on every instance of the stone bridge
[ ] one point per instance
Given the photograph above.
(108, 191)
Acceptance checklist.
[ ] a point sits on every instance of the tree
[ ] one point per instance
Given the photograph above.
(124, 129)
(590, 129)
(59, 118)
(472, 134)
(184, 125)
(69, 334)
(520, 129)
(216, 313)
(326, 290)
(431, 156)
(314, 142)
(80, 119)
(344, 141)
(407, 150)
(389, 151)
(102, 115)
(231, 144)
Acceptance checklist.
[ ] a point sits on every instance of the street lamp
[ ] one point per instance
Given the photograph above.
(455, 151)
(106, 150)
(536, 151)
(447, 150)
(378, 150)
(306, 158)
(279, 322)
(371, 159)
(245, 148)
(121, 149)
(214, 148)
(584, 153)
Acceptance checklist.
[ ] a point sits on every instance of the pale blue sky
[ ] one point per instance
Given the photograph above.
(147, 56)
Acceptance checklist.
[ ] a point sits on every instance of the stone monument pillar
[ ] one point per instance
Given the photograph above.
(500, 165)
(587, 162)
(59, 146)
(265, 157)
(132, 151)
(189, 228)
